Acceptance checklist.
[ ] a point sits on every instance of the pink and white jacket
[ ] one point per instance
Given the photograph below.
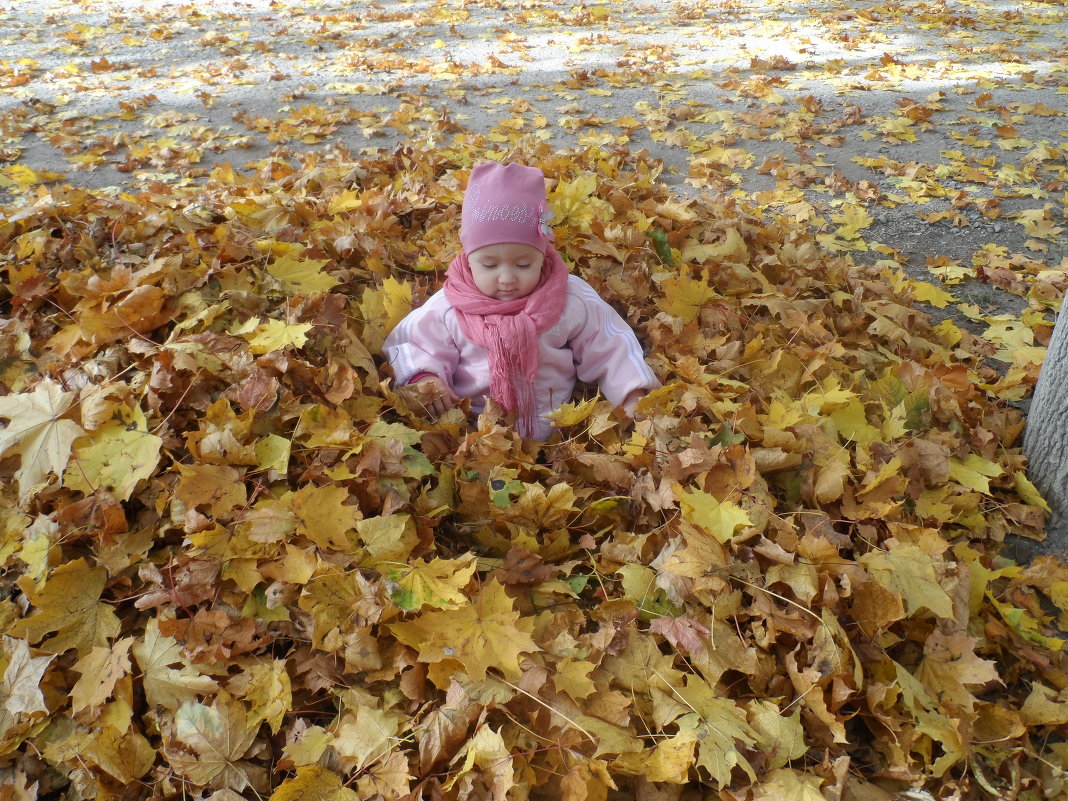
(590, 342)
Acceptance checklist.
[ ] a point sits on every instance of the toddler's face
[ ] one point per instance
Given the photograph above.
(508, 271)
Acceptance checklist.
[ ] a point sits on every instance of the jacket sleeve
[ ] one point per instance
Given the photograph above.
(421, 343)
(607, 352)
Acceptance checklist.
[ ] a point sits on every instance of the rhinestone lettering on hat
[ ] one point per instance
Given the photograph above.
(504, 212)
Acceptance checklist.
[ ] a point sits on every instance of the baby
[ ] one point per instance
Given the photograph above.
(511, 323)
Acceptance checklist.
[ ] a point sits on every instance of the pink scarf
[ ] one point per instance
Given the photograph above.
(509, 329)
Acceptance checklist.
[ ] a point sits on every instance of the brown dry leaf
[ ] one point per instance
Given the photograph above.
(684, 633)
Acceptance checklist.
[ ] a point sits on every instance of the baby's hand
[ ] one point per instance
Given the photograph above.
(435, 395)
(630, 402)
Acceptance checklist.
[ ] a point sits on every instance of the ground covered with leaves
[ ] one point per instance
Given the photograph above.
(239, 563)
(919, 135)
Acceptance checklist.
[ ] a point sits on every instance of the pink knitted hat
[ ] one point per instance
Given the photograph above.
(505, 203)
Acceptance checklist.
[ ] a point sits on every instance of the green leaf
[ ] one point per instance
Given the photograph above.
(661, 246)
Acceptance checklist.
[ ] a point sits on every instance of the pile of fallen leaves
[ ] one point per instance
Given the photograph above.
(238, 562)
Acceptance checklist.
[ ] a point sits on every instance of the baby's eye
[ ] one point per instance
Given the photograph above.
(522, 266)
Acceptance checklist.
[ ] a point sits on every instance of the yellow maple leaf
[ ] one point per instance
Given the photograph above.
(894, 422)
(831, 479)
(36, 431)
(948, 272)
(438, 583)
(323, 517)
(101, 668)
(950, 667)
(309, 749)
(124, 754)
(780, 737)
(276, 335)
(729, 250)
(20, 691)
(572, 676)
(272, 455)
(782, 413)
(485, 633)
(785, 784)
(339, 602)
(23, 711)
(974, 472)
(164, 685)
(570, 201)
(670, 760)
(717, 519)
(684, 297)
(217, 737)
(389, 779)
(217, 487)
(21, 176)
(302, 276)
(381, 310)
(909, 571)
(266, 687)
(1026, 625)
(929, 293)
(117, 455)
(639, 586)
(69, 605)
(365, 735)
(1009, 333)
(852, 219)
(344, 201)
(852, 423)
(1029, 492)
(720, 727)
(487, 754)
(587, 779)
(931, 721)
(889, 469)
(570, 414)
(896, 128)
(829, 396)
(324, 426)
(1044, 706)
(387, 538)
(314, 783)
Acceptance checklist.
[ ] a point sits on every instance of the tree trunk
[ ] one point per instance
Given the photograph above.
(1045, 441)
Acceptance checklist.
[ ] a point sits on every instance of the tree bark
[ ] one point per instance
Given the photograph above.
(1045, 441)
